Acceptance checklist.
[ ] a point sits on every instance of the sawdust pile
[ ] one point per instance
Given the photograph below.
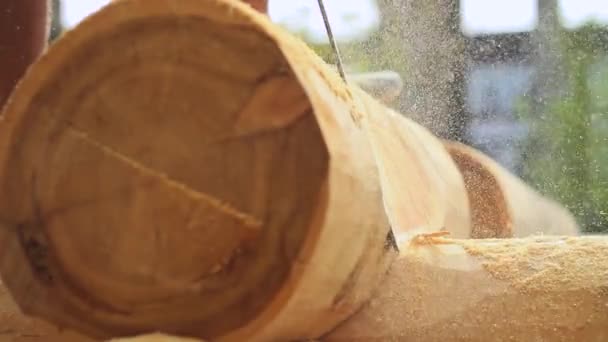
(537, 288)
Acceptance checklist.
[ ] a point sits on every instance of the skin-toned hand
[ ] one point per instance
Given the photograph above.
(24, 31)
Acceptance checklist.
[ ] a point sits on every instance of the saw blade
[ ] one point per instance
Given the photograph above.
(391, 241)
(332, 40)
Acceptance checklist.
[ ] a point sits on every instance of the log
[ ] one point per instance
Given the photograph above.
(158, 190)
(215, 179)
(502, 205)
(15, 327)
(529, 289)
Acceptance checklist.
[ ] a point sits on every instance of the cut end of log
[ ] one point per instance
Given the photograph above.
(144, 180)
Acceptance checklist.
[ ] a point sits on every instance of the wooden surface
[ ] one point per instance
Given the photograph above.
(532, 289)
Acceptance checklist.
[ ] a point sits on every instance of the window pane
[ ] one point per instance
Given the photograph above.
(576, 12)
(498, 16)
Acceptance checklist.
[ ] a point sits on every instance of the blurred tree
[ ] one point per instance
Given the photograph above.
(566, 149)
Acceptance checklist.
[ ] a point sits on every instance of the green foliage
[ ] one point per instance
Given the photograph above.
(567, 151)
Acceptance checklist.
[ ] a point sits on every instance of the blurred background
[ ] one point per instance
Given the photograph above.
(525, 81)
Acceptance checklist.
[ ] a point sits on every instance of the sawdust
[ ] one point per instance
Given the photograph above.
(428, 239)
(545, 263)
(533, 289)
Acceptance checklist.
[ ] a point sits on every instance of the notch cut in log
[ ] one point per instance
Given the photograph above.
(214, 179)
